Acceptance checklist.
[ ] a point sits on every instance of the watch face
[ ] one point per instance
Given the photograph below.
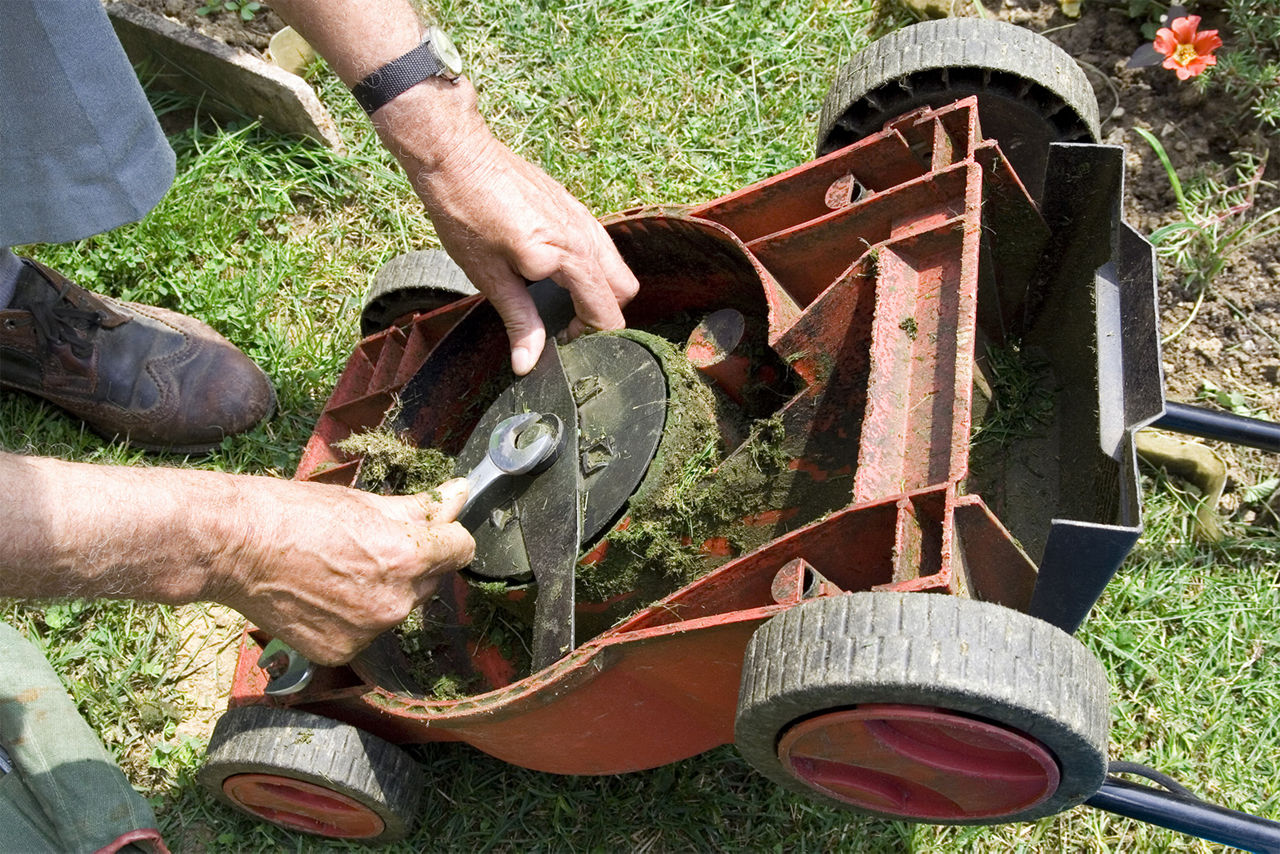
(445, 51)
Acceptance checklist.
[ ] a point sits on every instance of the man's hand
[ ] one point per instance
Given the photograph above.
(504, 220)
(501, 218)
(337, 567)
(324, 567)
(507, 223)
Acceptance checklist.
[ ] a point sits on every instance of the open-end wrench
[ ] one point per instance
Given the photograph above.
(507, 456)
(511, 452)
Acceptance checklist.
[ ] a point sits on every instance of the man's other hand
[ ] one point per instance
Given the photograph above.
(507, 223)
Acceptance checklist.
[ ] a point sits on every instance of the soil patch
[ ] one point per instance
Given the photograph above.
(1232, 342)
(224, 25)
(206, 664)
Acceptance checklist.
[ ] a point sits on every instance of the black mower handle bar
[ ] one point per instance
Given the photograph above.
(1222, 426)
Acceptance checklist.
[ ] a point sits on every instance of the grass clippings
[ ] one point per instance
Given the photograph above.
(392, 466)
(648, 553)
(1021, 396)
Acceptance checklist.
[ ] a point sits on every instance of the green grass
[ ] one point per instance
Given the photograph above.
(642, 102)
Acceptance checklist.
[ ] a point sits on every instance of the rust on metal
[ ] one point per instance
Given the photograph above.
(843, 192)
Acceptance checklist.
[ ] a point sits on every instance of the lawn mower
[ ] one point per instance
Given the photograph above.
(840, 495)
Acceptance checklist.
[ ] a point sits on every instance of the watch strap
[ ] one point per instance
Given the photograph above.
(397, 76)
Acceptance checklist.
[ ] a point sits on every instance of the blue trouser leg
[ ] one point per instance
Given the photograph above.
(81, 151)
(10, 266)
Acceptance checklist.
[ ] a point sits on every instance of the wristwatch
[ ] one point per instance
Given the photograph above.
(435, 57)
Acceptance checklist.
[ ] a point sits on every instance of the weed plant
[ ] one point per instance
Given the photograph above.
(246, 10)
(1217, 220)
(628, 102)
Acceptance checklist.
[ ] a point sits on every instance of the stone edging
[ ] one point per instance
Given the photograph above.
(232, 82)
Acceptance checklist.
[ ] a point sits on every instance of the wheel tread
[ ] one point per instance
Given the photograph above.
(415, 281)
(925, 649)
(303, 746)
(932, 46)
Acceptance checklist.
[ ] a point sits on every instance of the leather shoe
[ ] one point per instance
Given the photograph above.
(156, 378)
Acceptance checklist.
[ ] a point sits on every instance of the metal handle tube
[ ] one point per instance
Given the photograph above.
(1222, 426)
(1188, 815)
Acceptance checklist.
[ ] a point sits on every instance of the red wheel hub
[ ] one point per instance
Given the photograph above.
(919, 762)
(299, 805)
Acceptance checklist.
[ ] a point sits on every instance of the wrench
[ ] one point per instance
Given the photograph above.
(290, 672)
(507, 457)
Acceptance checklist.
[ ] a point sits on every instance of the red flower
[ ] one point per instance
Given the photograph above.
(1186, 51)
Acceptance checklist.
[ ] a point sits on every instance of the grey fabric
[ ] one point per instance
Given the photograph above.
(65, 794)
(10, 267)
(81, 151)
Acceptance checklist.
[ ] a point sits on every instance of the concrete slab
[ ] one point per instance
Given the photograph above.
(232, 82)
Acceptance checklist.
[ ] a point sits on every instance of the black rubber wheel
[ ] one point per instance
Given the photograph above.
(412, 283)
(1032, 695)
(312, 774)
(1030, 92)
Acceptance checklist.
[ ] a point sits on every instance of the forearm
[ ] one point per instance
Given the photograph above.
(325, 567)
(425, 125)
(72, 529)
(504, 220)
(356, 37)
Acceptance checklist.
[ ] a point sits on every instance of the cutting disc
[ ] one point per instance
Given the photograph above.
(618, 398)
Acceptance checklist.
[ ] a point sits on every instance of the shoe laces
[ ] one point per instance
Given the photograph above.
(61, 322)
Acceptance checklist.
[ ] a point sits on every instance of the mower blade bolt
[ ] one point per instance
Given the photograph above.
(501, 517)
(525, 443)
(586, 388)
(597, 455)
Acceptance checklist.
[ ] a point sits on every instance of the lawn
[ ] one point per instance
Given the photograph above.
(627, 102)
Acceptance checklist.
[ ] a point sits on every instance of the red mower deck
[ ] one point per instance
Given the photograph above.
(882, 280)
